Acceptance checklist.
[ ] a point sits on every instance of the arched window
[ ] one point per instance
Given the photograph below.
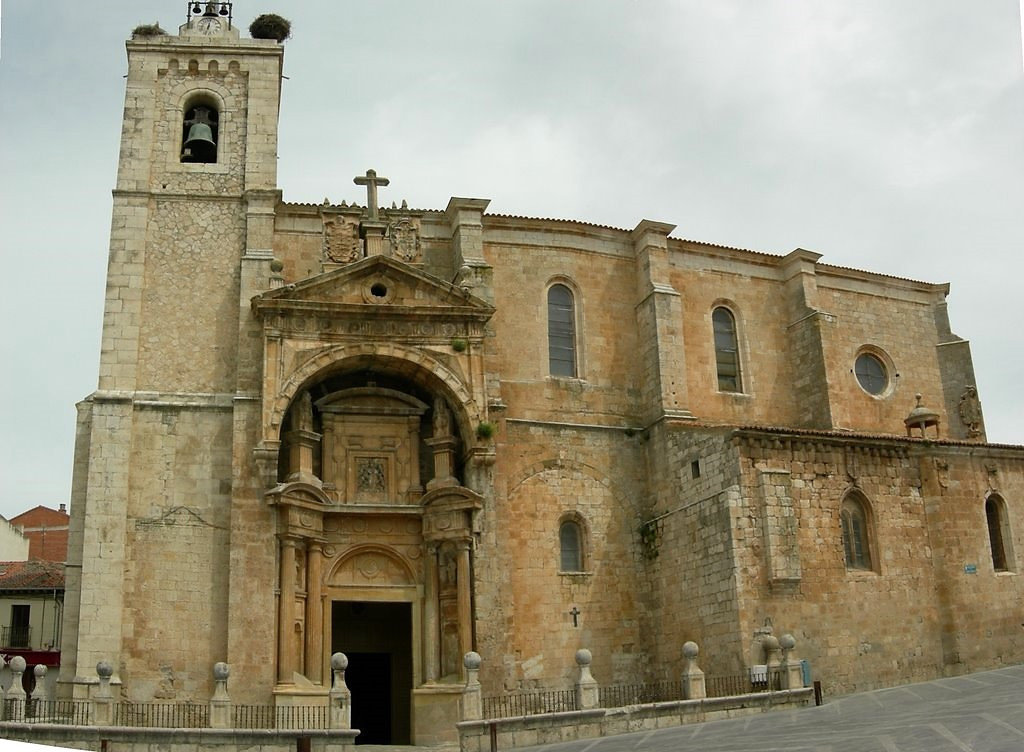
(570, 545)
(727, 356)
(998, 538)
(561, 332)
(856, 533)
(200, 132)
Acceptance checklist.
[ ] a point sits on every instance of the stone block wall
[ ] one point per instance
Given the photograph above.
(546, 474)
(688, 547)
(176, 552)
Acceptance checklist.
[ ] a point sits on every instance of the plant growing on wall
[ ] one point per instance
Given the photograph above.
(271, 26)
(485, 429)
(650, 535)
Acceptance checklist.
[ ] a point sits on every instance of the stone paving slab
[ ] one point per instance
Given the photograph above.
(978, 713)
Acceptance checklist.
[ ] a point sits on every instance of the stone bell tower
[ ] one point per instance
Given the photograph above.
(193, 212)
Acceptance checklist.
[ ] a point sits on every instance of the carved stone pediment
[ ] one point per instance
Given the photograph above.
(375, 281)
(376, 297)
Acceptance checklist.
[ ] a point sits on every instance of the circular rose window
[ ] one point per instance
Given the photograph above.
(871, 373)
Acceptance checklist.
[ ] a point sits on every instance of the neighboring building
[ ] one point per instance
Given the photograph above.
(31, 609)
(405, 434)
(14, 545)
(47, 532)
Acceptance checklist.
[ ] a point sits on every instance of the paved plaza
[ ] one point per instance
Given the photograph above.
(982, 712)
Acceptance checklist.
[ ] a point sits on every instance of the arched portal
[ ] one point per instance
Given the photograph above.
(375, 532)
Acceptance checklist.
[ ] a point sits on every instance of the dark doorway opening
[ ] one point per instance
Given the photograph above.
(377, 638)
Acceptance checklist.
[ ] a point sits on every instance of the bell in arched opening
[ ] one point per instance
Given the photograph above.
(200, 135)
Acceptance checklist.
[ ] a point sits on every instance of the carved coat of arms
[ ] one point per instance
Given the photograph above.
(405, 240)
(341, 241)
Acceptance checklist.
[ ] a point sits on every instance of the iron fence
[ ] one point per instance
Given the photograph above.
(66, 712)
(728, 685)
(529, 703)
(620, 695)
(298, 717)
(162, 714)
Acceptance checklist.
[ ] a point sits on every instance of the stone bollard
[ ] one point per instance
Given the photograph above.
(470, 704)
(694, 684)
(39, 693)
(792, 671)
(103, 700)
(340, 695)
(16, 694)
(220, 703)
(587, 696)
(771, 659)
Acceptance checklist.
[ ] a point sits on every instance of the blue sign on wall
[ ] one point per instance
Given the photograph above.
(970, 568)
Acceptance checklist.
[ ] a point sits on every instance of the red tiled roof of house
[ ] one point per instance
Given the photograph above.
(31, 575)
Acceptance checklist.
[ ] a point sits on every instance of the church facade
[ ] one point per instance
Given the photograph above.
(407, 434)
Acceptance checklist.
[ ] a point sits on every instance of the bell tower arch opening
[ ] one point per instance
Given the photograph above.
(200, 130)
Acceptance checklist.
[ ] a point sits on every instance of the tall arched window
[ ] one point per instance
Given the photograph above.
(561, 331)
(727, 356)
(570, 545)
(856, 533)
(998, 538)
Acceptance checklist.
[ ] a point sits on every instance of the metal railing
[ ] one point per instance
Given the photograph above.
(66, 712)
(729, 685)
(620, 695)
(529, 703)
(162, 714)
(298, 717)
(16, 637)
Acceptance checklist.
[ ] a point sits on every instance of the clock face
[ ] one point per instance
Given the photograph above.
(209, 25)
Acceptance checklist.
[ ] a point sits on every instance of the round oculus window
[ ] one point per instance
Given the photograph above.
(871, 373)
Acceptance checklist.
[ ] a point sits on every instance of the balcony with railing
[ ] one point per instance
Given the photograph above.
(16, 636)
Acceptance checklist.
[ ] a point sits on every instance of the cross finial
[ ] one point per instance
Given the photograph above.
(371, 181)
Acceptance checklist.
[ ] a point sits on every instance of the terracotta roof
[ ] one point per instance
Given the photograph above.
(31, 575)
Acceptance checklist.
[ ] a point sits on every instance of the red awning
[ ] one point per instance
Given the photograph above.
(48, 658)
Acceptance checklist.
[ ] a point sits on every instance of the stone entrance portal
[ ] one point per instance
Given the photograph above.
(377, 638)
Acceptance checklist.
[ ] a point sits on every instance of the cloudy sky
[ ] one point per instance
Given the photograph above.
(885, 134)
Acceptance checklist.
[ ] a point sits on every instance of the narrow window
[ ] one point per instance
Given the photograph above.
(727, 355)
(561, 332)
(997, 534)
(199, 134)
(856, 545)
(570, 543)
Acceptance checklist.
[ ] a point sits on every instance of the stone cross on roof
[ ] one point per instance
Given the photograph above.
(371, 181)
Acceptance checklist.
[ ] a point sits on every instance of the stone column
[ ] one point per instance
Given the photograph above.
(587, 695)
(220, 703)
(15, 699)
(39, 693)
(792, 670)
(340, 695)
(694, 685)
(431, 618)
(285, 613)
(465, 605)
(771, 656)
(301, 444)
(314, 613)
(444, 452)
(103, 700)
(470, 705)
